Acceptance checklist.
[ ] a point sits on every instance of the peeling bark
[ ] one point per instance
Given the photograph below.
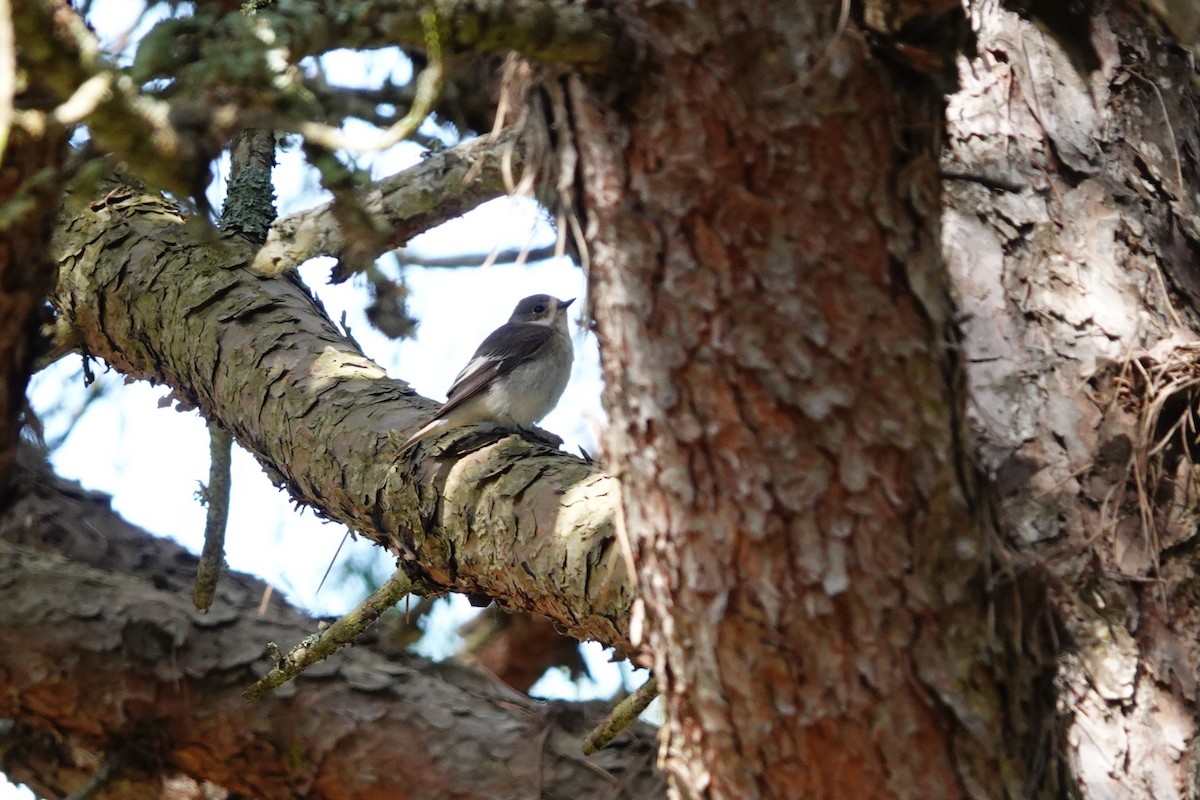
(903, 390)
(528, 526)
(1078, 287)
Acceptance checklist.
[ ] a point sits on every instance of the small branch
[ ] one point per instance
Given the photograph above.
(369, 239)
(170, 144)
(405, 204)
(249, 209)
(361, 102)
(321, 645)
(216, 496)
(249, 205)
(590, 38)
(621, 717)
(429, 86)
(514, 255)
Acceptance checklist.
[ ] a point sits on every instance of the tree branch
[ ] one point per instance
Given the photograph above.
(216, 498)
(318, 647)
(405, 204)
(528, 526)
(118, 662)
(56, 45)
(512, 255)
(584, 36)
(221, 67)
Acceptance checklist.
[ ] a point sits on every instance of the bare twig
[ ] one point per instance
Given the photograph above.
(429, 86)
(321, 645)
(66, 55)
(216, 496)
(513, 255)
(621, 717)
(101, 778)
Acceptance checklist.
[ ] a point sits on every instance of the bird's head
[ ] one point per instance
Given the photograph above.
(542, 309)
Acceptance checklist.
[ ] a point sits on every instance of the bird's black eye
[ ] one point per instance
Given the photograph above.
(539, 309)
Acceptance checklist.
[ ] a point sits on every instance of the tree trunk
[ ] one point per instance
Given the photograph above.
(772, 317)
(30, 172)
(898, 315)
(1071, 232)
(852, 589)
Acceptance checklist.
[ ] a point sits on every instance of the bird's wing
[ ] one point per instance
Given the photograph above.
(505, 348)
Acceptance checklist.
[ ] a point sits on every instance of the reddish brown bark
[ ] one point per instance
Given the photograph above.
(900, 525)
(518, 648)
(830, 608)
(770, 318)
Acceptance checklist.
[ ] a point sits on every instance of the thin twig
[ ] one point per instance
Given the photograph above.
(621, 717)
(332, 561)
(429, 86)
(8, 74)
(216, 497)
(512, 255)
(321, 645)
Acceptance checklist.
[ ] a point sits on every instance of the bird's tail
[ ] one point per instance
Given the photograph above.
(424, 432)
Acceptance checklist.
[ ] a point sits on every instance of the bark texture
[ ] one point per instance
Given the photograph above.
(403, 205)
(772, 316)
(528, 526)
(898, 312)
(104, 662)
(852, 587)
(1071, 231)
(230, 71)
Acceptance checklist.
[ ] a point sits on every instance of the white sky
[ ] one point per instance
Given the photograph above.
(151, 459)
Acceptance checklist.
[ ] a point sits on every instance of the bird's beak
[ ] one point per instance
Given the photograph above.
(562, 304)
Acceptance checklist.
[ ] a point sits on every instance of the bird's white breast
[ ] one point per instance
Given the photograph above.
(533, 388)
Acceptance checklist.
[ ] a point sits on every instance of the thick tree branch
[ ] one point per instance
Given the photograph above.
(443, 186)
(530, 527)
(118, 662)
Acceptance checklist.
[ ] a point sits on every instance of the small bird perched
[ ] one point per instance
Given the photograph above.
(516, 376)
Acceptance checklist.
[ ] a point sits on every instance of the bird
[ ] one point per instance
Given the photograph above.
(517, 374)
